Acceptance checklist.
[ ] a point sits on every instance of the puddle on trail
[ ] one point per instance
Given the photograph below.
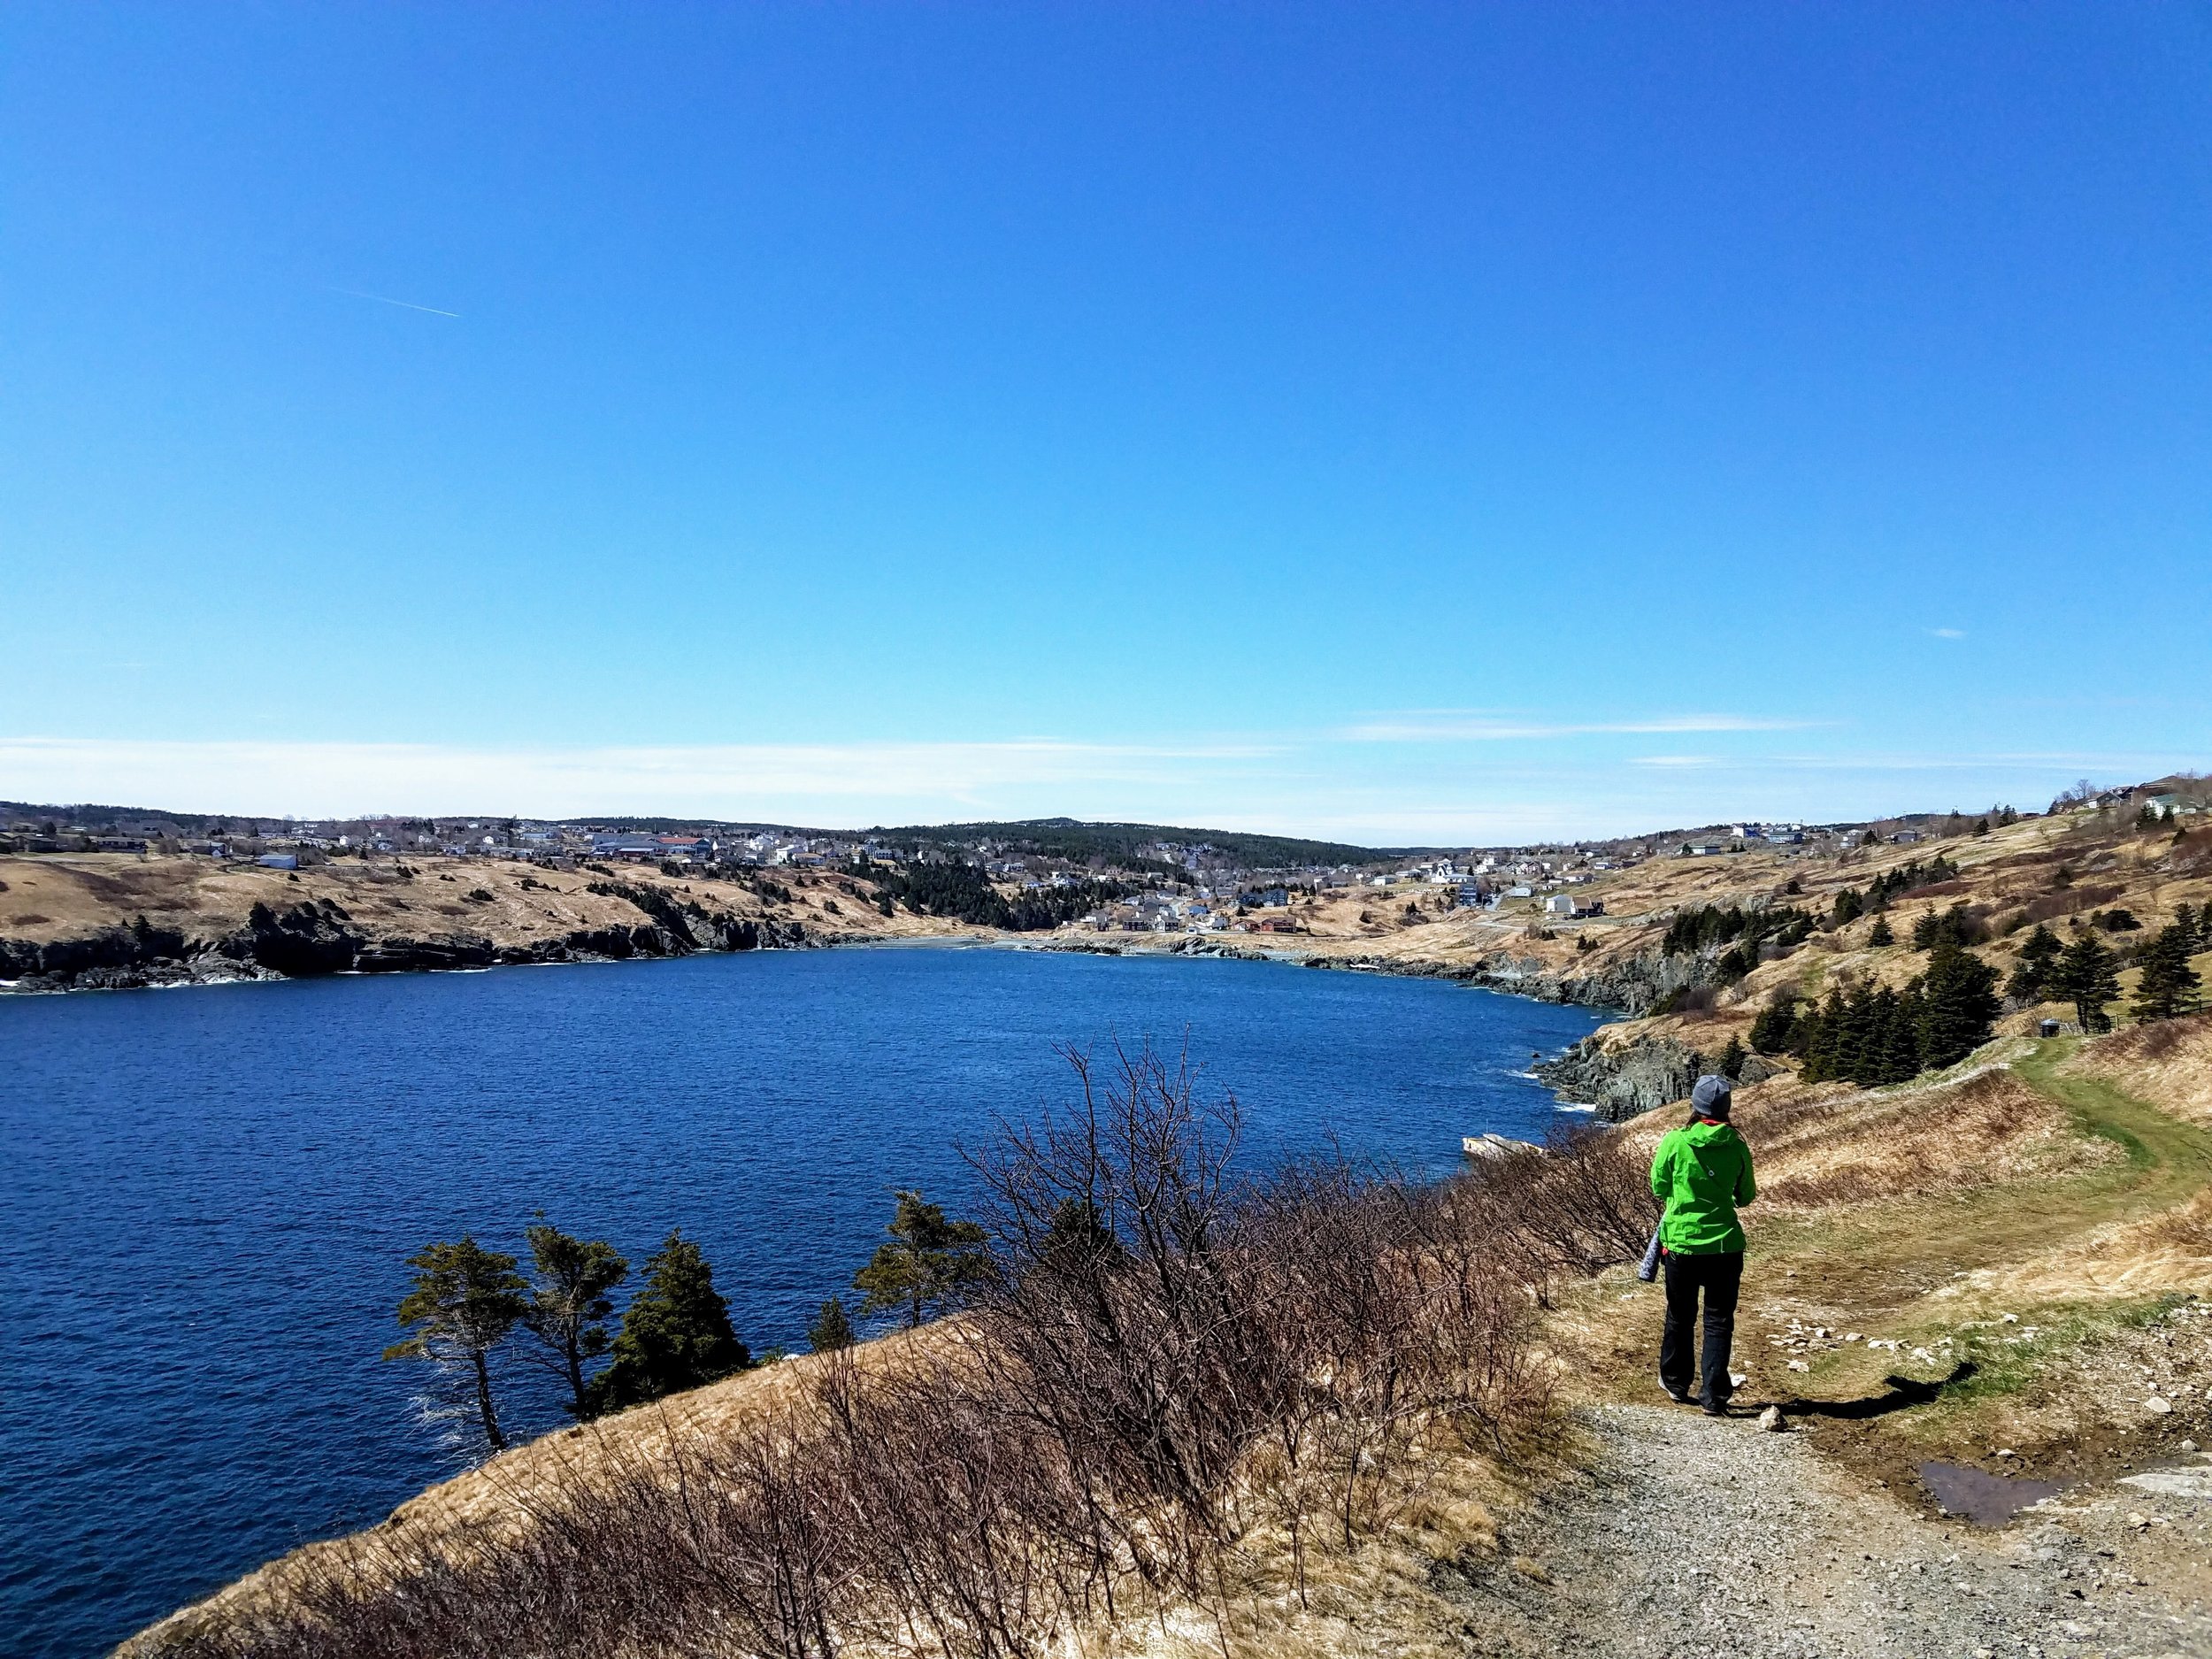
(1985, 1499)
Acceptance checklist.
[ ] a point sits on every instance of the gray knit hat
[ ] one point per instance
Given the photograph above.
(1712, 1096)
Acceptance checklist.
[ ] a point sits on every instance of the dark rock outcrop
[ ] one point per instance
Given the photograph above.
(1625, 1080)
(1634, 986)
(300, 943)
(309, 941)
(421, 955)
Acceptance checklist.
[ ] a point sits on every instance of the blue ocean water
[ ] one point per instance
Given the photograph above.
(210, 1194)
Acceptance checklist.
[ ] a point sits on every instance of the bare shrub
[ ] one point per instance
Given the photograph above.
(1167, 1352)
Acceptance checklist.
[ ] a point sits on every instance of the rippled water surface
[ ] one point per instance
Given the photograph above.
(210, 1192)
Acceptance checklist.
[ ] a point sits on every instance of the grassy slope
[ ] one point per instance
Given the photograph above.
(2087, 1262)
(54, 896)
(2064, 1199)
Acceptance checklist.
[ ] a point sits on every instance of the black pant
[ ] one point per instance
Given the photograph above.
(1720, 1276)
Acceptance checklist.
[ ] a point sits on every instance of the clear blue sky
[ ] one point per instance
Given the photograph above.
(1435, 423)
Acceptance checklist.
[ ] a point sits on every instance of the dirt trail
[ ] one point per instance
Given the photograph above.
(1693, 1536)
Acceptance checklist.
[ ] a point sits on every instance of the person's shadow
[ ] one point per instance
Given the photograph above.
(1903, 1391)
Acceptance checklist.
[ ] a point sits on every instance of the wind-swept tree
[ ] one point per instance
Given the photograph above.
(569, 1304)
(929, 1264)
(465, 1301)
(2087, 976)
(676, 1333)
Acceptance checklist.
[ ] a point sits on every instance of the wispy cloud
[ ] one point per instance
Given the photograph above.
(878, 780)
(1948, 633)
(1675, 760)
(386, 299)
(1476, 726)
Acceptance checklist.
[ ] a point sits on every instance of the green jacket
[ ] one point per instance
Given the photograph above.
(1702, 1172)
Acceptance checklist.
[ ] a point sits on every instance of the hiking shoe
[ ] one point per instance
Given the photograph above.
(1715, 1408)
(1678, 1396)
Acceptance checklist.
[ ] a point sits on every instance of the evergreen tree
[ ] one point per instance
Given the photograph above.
(569, 1304)
(1903, 1053)
(2194, 930)
(929, 1264)
(830, 1328)
(2088, 976)
(1771, 1032)
(1936, 927)
(1820, 1032)
(2032, 976)
(1848, 906)
(1960, 1004)
(1078, 1239)
(465, 1301)
(1731, 1057)
(676, 1334)
(1882, 934)
(2169, 985)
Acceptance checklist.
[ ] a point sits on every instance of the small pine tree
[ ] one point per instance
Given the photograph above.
(465, 1301)
(1731, 1057)
(676, 1334)
(929, 1264)
(2169, 985)
(830, 1328)
(2088, 977)
(1882, 934)
(569, 1304)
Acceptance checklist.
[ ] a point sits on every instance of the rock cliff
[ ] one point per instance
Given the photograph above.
(306, 940)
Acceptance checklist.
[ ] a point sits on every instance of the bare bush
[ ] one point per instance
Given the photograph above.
(1167, 1352)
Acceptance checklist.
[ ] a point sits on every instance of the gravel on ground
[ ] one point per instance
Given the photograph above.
(1693, 1535)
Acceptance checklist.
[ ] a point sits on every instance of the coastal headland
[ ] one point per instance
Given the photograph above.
(1975, 1353)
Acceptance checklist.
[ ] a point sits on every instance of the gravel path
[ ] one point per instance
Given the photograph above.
(1702, 1537)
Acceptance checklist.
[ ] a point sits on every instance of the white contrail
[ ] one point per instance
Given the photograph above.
(383, 299)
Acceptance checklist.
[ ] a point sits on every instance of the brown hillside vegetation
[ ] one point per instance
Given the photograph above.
(49, 897)
(1171, 1367)
(1377, 1438)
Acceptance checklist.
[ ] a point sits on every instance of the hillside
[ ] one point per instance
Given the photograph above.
(2068, 871)
(2001, 1271)
(117, 919)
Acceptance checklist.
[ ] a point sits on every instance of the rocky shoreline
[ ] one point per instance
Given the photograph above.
(1618, 1082)
(313, 940)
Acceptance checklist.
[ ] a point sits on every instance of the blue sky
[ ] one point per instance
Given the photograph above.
(1395, 422)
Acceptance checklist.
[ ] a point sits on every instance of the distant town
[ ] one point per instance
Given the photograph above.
(1146, 879)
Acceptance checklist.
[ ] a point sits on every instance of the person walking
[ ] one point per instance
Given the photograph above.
(1700, 1173)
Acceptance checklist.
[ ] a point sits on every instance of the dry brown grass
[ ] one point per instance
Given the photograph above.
(49, 897)
(1982, 1129)
(1213, 1399)
(2167, 1062)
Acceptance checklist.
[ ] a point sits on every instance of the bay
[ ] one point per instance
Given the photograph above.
(211, 1193)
